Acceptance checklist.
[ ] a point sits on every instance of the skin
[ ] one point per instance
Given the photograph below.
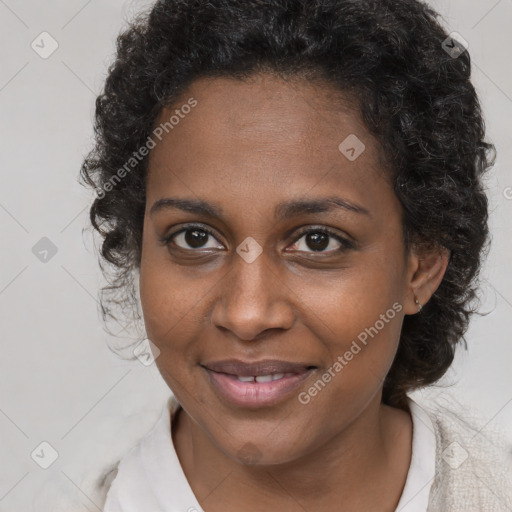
(246, 147)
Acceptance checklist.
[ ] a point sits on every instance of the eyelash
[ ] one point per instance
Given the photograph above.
(345, 243)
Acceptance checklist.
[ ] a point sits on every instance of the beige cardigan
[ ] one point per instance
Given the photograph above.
(473, 464)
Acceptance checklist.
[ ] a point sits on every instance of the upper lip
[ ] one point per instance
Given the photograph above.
(265, 367)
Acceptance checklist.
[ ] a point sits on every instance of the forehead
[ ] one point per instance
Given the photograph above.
(263, 138)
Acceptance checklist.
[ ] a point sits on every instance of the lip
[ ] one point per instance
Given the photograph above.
(256, 394)
(264, 367)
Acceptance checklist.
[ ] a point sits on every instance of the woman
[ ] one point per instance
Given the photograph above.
(295, 186)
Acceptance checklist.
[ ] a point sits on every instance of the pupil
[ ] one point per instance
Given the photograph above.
(315, 241)
(195, 237)
(319, 241)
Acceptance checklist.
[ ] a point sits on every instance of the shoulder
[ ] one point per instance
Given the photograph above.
(473, 462)
(125, 484)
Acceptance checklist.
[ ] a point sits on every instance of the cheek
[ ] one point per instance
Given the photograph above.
(355, 298)
(359, 346)
(164, 293)
(175, 300)
(170, 306)
(358, 318)
(169, 301)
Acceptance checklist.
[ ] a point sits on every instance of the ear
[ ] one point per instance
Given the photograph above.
(426, 268)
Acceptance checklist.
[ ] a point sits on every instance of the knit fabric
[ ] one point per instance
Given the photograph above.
(473, 464)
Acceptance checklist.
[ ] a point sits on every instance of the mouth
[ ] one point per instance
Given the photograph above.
(257, 384)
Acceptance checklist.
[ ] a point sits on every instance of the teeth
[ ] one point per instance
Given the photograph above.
(246, 379)
(264, 378)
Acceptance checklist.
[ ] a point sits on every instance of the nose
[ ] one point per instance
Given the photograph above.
(253, 299)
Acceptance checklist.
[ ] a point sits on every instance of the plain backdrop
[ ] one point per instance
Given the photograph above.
(60, 384)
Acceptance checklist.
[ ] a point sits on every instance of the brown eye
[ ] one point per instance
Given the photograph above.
(321, 240)
(192, 237)
(195, 238)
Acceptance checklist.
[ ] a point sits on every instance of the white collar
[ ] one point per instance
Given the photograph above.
(423, 462)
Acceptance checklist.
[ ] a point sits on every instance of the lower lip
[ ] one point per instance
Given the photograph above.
(255, 394)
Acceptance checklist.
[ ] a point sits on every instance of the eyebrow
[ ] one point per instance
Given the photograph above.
(282, 211)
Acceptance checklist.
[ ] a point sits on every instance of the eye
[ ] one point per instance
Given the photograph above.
(319, 239)
(190, 237)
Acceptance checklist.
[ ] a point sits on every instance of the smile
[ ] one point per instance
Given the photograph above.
(263, 378)
(254, 391)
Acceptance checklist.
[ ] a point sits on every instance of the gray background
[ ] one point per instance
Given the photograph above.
(59, 381)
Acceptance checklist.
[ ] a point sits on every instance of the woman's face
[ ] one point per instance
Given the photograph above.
(267, 283)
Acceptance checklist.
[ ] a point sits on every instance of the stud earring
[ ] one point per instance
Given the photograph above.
(418, 303)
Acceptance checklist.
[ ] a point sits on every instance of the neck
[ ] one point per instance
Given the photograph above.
(364, 466)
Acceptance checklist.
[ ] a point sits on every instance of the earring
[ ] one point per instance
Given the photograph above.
(418, 303)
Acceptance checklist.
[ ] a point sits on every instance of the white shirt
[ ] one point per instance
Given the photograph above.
(150, 476)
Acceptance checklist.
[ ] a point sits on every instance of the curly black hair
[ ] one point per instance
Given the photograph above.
(413, 92)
